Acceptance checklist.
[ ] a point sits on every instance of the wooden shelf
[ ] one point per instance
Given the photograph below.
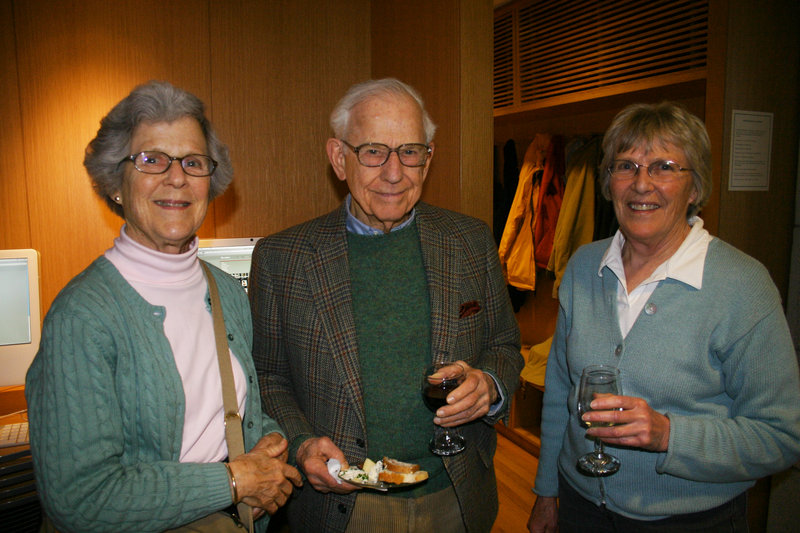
(525, 419)
(522, 437)
(673, 86)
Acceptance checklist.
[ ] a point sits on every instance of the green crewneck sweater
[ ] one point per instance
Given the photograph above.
(392, 315)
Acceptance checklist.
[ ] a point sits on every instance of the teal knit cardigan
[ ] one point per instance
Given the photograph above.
(106, 407)
(719, 362)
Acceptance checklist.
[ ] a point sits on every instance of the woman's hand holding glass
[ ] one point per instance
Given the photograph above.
(635, 423)
(597, 381)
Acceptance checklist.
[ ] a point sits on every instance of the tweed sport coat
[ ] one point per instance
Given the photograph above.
(306, 353)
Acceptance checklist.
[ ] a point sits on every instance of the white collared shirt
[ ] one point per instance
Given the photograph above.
(685, 265)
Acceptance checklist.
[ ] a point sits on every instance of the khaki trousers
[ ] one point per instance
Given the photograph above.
(382, 513)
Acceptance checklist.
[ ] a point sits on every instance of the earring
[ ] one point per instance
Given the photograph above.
(117, 199)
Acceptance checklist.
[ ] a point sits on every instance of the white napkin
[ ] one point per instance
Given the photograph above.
(334, 467)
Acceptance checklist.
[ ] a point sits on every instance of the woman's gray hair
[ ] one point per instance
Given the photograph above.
(340, 117)
(651, 125)
(155, 101)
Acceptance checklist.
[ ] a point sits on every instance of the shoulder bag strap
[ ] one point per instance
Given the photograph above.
(233, 421)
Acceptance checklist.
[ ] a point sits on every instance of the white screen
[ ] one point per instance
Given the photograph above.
(20, 318)
(15, 309)
(230, 255)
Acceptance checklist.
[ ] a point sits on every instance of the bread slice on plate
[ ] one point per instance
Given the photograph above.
(398, 472)
(399, 466)
(397, 478)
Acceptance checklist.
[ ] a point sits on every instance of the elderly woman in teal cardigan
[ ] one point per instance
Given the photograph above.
(125, 395)
(710, 398)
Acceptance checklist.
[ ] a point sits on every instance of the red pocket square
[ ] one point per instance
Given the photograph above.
(468, 309)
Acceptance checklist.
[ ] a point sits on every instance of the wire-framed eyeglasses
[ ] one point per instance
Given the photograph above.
(377, 154)
(661, 170)
(151, 162)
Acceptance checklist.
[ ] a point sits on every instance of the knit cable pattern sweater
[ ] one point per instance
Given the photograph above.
(719, 362)
(106, 406)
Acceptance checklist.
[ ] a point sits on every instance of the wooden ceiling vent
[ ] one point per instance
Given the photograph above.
(548, 52)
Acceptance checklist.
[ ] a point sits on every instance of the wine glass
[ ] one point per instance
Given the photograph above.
(596, 380)
(436, 386)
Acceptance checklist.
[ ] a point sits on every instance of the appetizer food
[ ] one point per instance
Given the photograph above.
(386, 470)
(395, 471)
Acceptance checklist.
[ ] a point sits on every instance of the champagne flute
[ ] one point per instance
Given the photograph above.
(435, 389)
(596, 380)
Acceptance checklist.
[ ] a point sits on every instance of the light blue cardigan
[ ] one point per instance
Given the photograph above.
(106, 407)
(718, 361)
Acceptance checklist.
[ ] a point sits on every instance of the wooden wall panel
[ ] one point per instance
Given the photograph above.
(476, 128)
(270, 72)
(14, 217)
(445, 52)
(760, 223)
(74, 65)
(278, 70)
(715, 104)
(423, 51)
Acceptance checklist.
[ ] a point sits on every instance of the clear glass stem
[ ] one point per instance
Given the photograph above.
(598, 448)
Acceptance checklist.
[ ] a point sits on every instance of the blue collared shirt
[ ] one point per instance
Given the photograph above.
(357, 227)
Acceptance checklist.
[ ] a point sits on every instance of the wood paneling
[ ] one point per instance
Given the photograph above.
(476, 130)
(561, 50)
(278, 70)
(762, 75)
(422, 50)
(269, 72)
(14, 216)
(444, 51)
(74, 65)
(715, 104)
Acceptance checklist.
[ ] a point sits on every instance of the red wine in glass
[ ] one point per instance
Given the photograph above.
(435, 394)
(438, 381)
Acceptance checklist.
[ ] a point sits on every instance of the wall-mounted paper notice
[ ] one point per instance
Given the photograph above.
(751, 145)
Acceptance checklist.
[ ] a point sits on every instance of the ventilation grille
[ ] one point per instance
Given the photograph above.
(545, 49)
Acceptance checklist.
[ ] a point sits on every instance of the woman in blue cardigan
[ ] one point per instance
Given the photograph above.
(125, 396)
(710, 397)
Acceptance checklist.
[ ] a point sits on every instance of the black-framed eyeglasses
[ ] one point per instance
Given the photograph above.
(377, 154)
(198, 165)
(623, 169)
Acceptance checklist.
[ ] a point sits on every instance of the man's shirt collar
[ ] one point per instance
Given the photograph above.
(357, 227)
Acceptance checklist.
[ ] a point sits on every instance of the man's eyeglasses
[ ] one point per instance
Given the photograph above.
(377, 154)
(158, 162)
(622, 169)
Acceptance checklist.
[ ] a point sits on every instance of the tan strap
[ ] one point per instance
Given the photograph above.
(233, 420)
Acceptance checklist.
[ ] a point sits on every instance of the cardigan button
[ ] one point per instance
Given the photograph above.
(650, 308)
(342, 508)
(250, 424)
(618, 350)
(360, 443)
(230, 337)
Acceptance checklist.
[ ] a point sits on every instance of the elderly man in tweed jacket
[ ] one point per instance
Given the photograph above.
(348, 310)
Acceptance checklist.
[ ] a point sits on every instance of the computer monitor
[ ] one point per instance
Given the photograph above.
(20, 313)
(231, 255)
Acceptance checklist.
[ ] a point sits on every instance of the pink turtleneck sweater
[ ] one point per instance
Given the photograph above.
(176, 282)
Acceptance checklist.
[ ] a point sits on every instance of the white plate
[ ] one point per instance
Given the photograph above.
(379, 485)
